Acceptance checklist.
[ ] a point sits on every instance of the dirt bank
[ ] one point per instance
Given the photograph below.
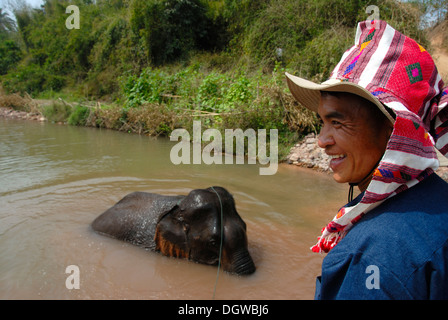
(15, 114)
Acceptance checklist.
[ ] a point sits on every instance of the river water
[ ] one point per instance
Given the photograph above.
(55, 179)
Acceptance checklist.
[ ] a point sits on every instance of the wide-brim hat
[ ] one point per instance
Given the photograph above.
(307, 93)
(386, 68)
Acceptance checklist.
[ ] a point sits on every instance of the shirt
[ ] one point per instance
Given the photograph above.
(398, 250)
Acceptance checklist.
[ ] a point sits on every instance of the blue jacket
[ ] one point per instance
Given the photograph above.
(398, 250)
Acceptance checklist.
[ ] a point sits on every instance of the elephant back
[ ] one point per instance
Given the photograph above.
(134, 218)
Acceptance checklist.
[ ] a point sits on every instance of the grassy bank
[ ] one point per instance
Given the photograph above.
(160, 100)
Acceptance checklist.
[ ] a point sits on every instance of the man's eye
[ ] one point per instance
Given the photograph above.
(336, 123)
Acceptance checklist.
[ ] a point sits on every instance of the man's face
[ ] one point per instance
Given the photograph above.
(351, 137)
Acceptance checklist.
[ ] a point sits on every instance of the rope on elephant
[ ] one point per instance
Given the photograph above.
(220, 246)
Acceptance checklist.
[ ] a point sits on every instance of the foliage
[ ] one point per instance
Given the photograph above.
(10, 55)
(18, 102)
(215, 92)
(122, 37)
(211, 92)
(171, 29)
(224, 99)
(7, 25)
(57, 112)
(296, 26)
(166, 62)
(436, 11)
(147, 88)
(79, 116)
(32, 79)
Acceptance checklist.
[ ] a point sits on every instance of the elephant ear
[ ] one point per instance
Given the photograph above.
(171, 234)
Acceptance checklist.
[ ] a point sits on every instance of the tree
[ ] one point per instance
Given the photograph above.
(435, 11)
(7, 24)
(172, 28)
(10, 55)
(439, 8)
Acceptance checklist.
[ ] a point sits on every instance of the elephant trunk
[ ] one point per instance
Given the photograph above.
(240, 263)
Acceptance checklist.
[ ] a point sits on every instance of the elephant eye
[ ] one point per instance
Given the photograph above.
(214, 243)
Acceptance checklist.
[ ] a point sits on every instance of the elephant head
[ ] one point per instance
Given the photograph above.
(204, 226)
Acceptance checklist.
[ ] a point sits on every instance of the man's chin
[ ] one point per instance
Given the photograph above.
(338, 178)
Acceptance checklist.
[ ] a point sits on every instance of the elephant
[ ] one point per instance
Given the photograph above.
(182, 226)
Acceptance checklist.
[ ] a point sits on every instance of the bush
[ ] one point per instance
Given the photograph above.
(149, 87)
(238, 92)
(320, 55)
(220, 98)
(151, 119)
(10, 55)
(53, 82)
(57, 112)
(171, 28)
(120, 37)
(79, 116)
(211, 92)
(17, 102)
(300, 27)
(30, 79)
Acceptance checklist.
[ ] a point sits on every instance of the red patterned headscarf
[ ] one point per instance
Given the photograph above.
(401, 75)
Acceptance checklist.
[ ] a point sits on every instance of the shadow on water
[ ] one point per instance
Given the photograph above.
(57, 179)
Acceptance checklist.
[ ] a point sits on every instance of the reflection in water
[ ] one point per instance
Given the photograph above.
(56, 179)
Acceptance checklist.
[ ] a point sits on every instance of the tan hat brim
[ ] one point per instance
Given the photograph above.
(307, 93)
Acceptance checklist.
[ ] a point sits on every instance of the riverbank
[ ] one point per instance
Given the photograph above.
(305, 153)
(10, 113)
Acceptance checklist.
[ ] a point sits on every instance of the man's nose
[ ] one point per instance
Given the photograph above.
(325, 138)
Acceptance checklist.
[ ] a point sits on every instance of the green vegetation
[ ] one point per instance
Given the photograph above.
(157, 65)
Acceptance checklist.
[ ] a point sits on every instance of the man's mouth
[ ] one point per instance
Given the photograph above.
(337, 156)
(336, 160)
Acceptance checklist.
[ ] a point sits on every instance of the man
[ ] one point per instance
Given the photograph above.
(383, 113)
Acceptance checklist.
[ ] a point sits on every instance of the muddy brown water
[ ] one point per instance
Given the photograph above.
(54, 180)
